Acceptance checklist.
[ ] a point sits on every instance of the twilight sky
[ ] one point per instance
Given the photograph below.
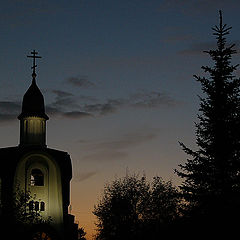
(117, 80)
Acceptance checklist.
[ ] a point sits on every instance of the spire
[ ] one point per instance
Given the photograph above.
(33, 117)
(33, 101)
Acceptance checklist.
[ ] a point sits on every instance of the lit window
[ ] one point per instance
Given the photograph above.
(36, 206)
(37, 178)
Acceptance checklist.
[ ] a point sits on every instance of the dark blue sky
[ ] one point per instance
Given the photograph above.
(117, 81)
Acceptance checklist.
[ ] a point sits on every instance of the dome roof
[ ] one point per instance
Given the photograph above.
(33, 103)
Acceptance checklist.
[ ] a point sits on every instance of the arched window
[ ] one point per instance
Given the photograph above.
(37, 177)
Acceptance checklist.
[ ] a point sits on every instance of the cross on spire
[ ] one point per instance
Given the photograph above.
(34, 53)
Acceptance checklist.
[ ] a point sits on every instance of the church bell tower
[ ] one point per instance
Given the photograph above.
(38, 171)
(33, 118)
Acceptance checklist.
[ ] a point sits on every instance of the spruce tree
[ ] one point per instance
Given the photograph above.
(211, 177)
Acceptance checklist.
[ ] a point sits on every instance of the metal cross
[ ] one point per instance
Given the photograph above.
(34, 59)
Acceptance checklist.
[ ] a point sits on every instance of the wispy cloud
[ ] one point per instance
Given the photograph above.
(66, 105)
(151, 99)
(9, 110)
(142, 99)
(63, 99)
(126, 141)
(117, 149)
(76, 114)
(7, 117)
(81, 82)
(105, 155)
(81, 176)
(61, 94)
(110, 106)
(198, 48)
(8, 106)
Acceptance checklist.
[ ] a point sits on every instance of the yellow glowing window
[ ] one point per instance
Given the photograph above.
(37, 178)
(36, 206)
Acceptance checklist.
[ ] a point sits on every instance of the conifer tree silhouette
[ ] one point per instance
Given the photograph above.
(212, 174)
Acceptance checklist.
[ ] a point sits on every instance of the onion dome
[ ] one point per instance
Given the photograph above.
(33, 103)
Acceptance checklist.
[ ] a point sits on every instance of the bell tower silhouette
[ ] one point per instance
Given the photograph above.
(33, 118)
(33, 168)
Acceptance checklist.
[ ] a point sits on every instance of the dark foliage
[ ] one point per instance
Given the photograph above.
(81, 234)
(132, 208)
(212, 174)
(21, 223)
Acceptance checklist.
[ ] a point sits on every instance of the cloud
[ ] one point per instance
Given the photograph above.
(7, 117)
(141, 99)
(9, 106)
(117, 149)
(79, 177)
(151, 100)
(106, 155)
(84, 98)
(126, 141)
(81, 82)
(9, 110)
(64, 104)
(110, 106)
(76, 114)
(61, 94)
(198, 48)
(51, 110)
(63, 99)
(67, 105)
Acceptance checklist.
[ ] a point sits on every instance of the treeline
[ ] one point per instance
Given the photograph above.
(207, 204)
(134, 208)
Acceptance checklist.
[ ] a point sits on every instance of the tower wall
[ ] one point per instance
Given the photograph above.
(48, 193)
(33, 131)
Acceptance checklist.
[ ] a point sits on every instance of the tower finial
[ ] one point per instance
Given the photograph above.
(34, 53)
